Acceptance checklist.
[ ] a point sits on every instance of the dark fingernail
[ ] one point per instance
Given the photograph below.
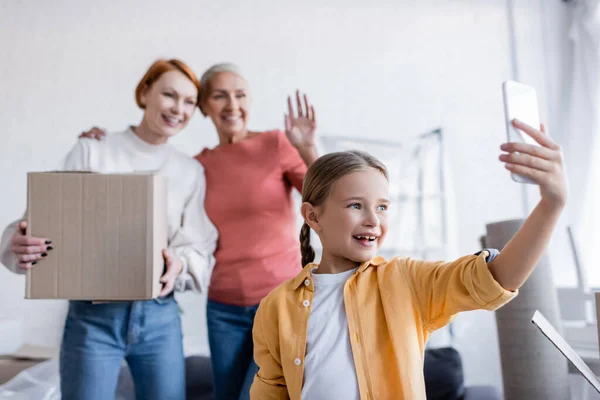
(33, 263)
(48, 242)
(49, 248)
(44, 254)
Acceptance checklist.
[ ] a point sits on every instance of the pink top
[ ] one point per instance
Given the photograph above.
(248, 198)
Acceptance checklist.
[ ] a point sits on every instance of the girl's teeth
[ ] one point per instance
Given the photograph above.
(365, 237)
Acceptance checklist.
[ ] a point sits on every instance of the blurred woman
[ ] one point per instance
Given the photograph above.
(147, 334)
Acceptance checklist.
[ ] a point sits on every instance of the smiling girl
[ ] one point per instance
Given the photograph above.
(356, 325)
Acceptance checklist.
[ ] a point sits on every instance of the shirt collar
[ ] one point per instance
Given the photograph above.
(305, 273)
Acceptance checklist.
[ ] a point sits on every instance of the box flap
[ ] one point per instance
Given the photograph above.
(561, 344)
(597, 304)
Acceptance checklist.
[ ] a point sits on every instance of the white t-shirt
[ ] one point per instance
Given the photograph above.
(192, 236)
(329, 371)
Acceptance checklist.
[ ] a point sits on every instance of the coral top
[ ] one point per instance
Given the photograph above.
(248, 198)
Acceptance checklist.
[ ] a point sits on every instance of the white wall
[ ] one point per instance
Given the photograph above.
(389, 69)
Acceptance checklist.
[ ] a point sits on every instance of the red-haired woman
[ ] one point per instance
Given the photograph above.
(147, 334)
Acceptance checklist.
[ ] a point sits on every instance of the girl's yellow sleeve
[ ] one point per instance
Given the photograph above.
(442, 290)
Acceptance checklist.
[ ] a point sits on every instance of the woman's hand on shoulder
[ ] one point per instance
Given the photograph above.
(94, 133)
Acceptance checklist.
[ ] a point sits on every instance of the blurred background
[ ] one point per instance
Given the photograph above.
(416, 83)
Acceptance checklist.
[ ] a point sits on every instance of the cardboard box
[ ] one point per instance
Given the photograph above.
(108, 232)
(27, 356)
(597, 309)
(567, 351)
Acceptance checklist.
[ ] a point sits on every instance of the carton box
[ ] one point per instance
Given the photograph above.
(107, 231)
(597, 308)
(574, 357)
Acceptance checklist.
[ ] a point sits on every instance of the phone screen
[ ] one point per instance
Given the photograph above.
(522, 104)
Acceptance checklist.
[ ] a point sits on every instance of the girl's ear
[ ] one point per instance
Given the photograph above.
(311, 216)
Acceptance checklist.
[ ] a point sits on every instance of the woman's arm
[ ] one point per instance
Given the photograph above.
(19, 251)
(301, 129)
(195, 241)
(8, 257)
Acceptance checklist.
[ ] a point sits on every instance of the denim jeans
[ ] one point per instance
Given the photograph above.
(231, 349)
(98, 337)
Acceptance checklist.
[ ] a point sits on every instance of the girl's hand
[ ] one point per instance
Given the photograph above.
(94, 133)
(301, 129)
(29, 250)
(544, 164)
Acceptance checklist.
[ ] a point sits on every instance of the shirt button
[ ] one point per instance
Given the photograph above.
(297, 361)
(307, 282)
(306, 303)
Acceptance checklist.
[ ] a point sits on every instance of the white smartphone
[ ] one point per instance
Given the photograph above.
(520, 102)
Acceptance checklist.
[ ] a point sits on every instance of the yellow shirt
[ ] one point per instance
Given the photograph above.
(392, 308)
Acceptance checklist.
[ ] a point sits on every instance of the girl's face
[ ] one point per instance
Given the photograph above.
(228, 105)
(352, 222)
(169, 103)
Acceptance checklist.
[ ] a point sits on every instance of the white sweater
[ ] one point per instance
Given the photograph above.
(192, 236)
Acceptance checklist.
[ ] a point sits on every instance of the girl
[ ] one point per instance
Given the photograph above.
(147, 334)
(355, 326)
(249, 178)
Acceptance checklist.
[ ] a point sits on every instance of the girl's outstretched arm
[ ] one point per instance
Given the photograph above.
(544, 165)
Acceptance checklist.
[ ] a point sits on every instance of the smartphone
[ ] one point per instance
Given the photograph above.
(520, 102)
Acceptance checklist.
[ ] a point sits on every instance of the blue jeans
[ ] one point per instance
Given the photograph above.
(231, 349)
(98, 337)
